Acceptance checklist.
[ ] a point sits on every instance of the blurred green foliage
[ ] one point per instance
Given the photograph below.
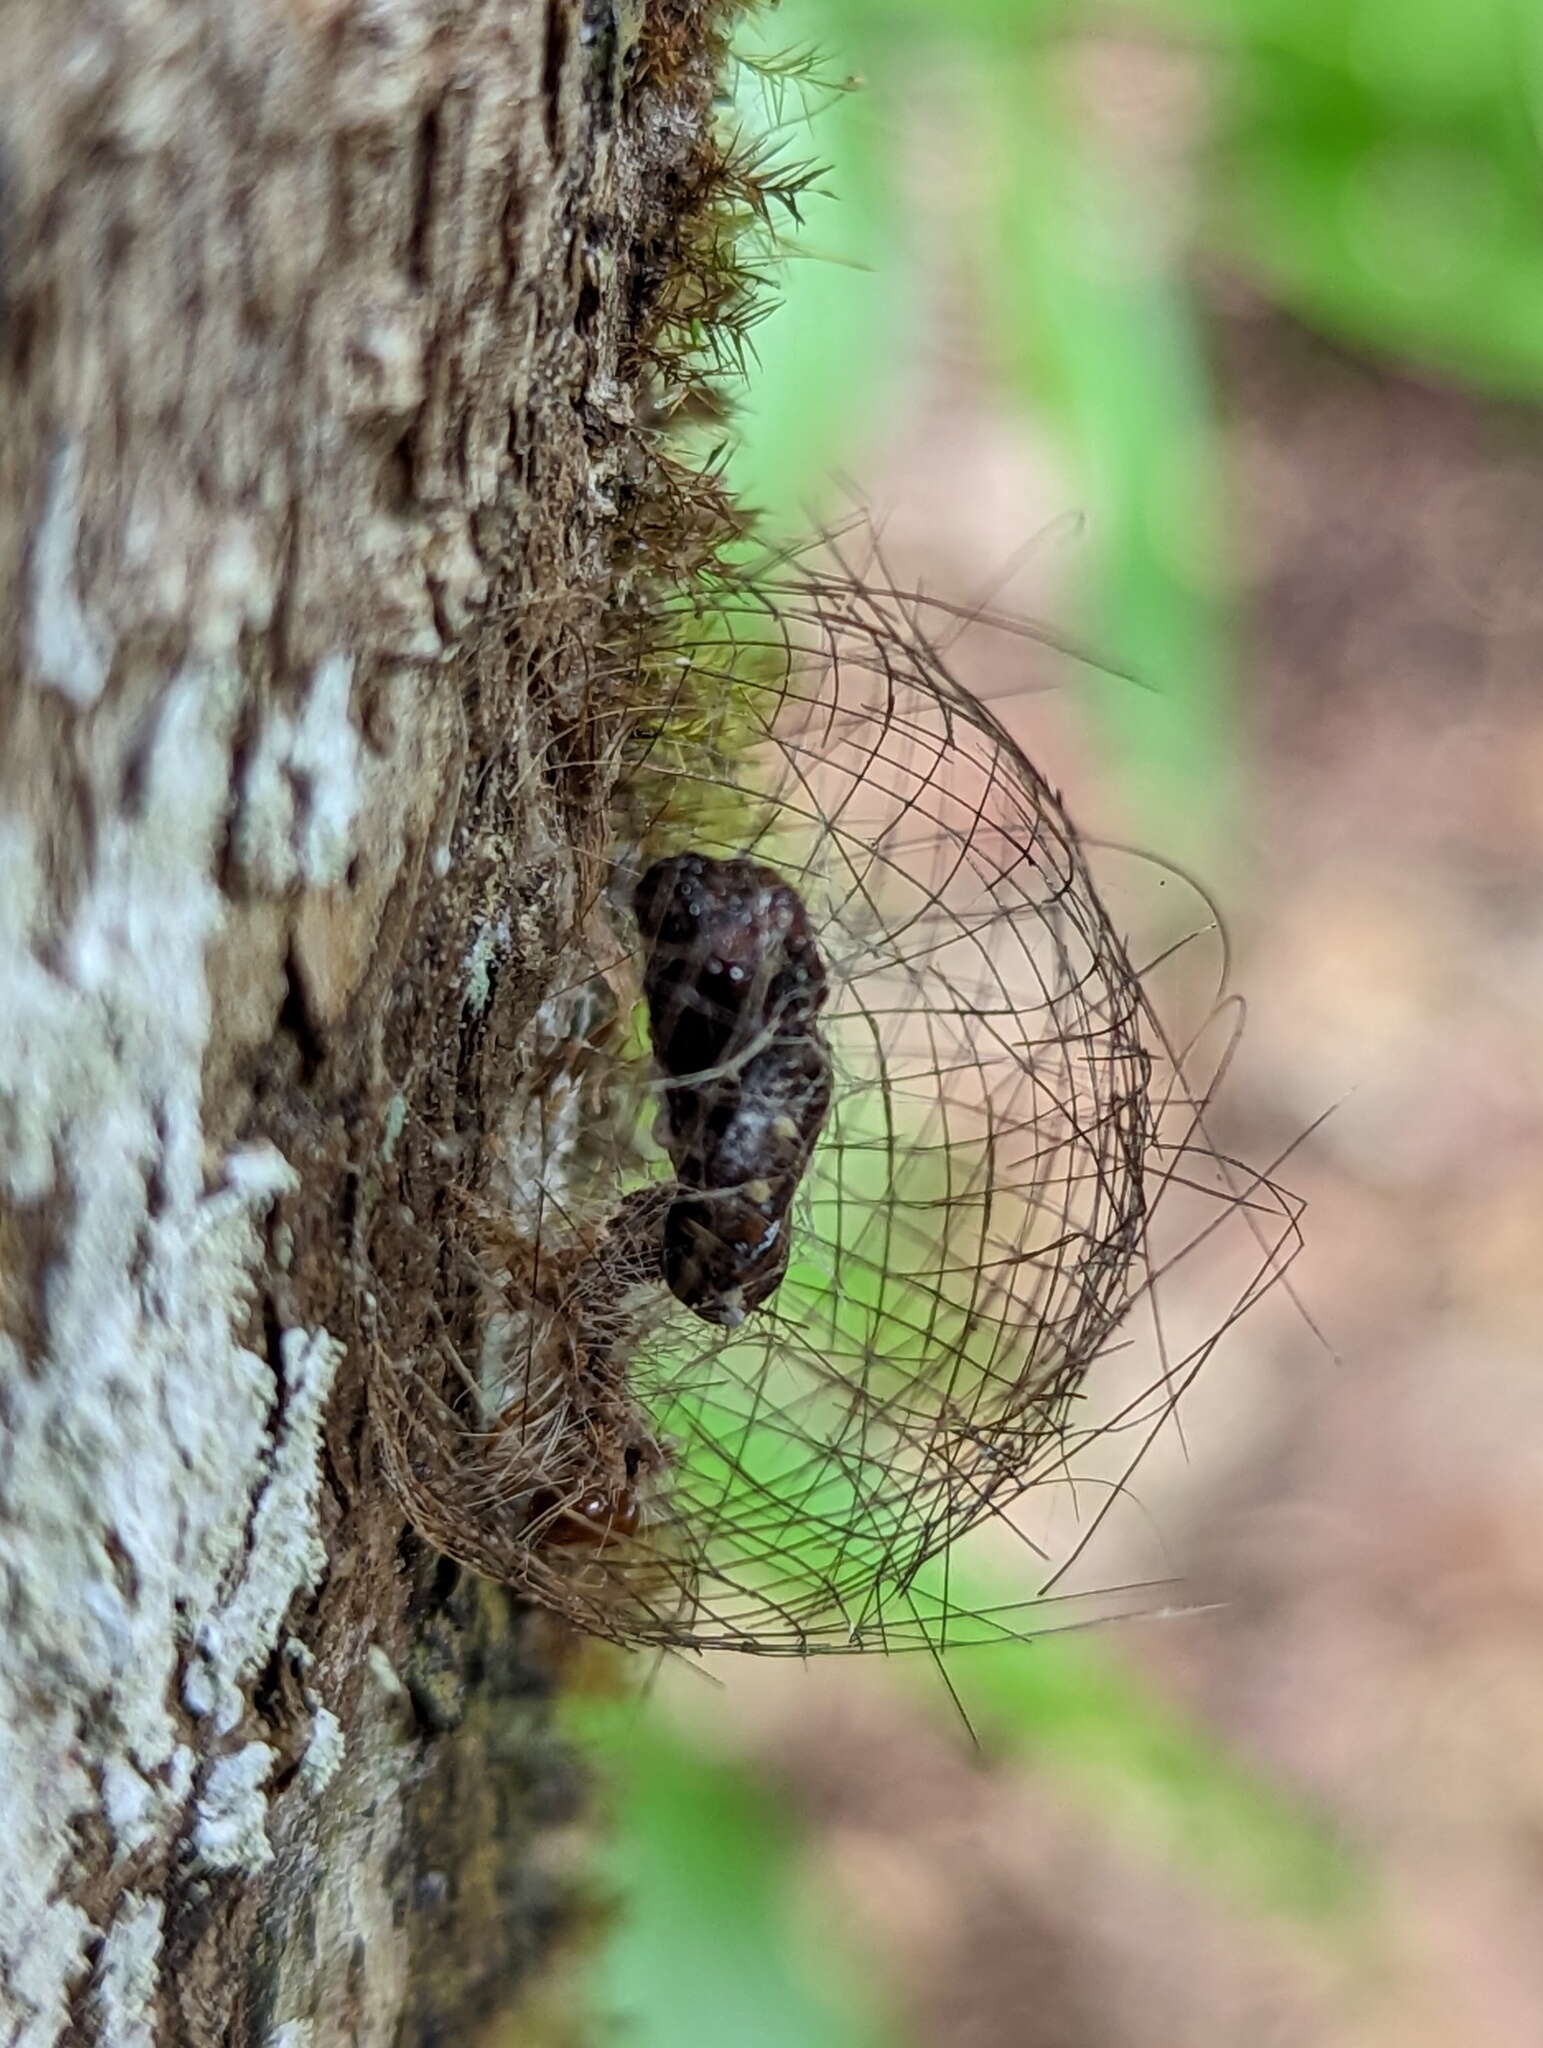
(716, 1941)
(710, 1947)
(1378, 167)
(1160, 1778)
(1375, 167)
(1091, 328)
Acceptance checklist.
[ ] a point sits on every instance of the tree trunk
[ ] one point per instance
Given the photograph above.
(320, 328)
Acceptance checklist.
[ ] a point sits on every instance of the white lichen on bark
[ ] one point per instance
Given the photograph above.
(148, 1506)
(301, 790)
(66, 648)
(126, 1974)
(230, 1827)
(348, 1976)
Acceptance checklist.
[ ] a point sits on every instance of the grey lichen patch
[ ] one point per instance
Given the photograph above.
(291, 2034)
(386, 1680)
(35, 2003)
(300, 791)
(230, 1823)
(137, 1438)
(69, 653)
(138, 1808)
(340, 1975)
(324, 1752)
(127, 1975)
(490, 945)
(406, 782)
(392, 1125)
(285, 1555)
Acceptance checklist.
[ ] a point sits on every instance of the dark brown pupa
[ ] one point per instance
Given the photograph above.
(734, 984)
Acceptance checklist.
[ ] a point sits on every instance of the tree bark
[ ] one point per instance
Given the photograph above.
(319, 346)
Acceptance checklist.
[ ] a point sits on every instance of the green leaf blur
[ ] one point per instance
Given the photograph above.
(707, 1949)
(1374, 167)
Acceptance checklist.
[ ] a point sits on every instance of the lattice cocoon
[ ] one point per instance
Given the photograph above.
(969, 1228)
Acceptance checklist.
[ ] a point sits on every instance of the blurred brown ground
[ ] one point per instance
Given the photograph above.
(1373, 1520)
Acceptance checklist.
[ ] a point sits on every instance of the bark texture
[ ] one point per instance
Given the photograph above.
(318, 326)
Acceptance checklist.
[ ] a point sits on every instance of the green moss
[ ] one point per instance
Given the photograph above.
(694, 648)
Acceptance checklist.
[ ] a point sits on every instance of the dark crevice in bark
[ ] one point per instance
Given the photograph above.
(554, 57)
(296, 1022)
(426, 153)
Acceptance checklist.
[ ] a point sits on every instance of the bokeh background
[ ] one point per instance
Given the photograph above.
(1210, 335)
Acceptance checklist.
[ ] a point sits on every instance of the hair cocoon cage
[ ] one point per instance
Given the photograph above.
(917, 1112)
